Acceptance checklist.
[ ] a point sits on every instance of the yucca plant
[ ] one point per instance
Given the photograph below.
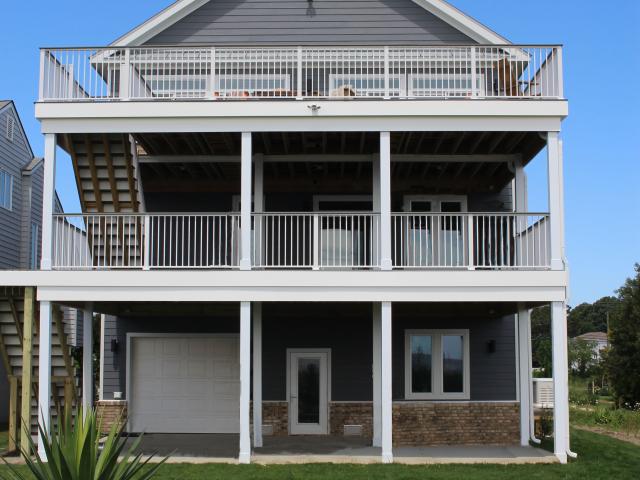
(73, 452)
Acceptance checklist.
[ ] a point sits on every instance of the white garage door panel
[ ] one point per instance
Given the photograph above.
(184, 384)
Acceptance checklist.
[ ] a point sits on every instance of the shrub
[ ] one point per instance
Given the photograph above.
(73, 452)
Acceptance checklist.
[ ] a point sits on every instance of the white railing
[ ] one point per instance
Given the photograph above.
(316, 240)
(300, 241)
(209, 73)
(470, 240)
(145, 241)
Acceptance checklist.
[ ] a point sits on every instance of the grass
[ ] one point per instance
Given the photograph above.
(600, 457)
(607, 417)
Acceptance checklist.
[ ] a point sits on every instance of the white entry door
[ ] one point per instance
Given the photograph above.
(184, 384)
(308, 392)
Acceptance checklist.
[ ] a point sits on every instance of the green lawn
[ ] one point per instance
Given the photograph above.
(599, 457)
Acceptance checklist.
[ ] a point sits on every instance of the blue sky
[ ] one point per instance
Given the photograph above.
(601, 135)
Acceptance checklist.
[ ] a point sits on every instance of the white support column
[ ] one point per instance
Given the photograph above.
(377, 375)
(524, 365)
(385, 200)
(87, 359)
(560, 380)
(520, 193)
(258, 207)
(44, 373)
(257, 374)
(245, 202)
(375, 246)
(555, 199)
(245, 382)
(48, 198)
(385, 383)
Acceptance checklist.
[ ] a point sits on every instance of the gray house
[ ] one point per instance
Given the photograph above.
(309, 219)
(21, 187)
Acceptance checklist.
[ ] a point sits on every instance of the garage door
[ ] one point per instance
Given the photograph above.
(184, 384)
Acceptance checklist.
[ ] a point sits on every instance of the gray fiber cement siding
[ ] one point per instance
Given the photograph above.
(344, 328)
(321, 22)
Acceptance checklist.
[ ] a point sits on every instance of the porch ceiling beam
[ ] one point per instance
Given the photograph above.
(330, 158)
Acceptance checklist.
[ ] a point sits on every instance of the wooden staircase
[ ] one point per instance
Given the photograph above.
(106, 172)
(12, 348)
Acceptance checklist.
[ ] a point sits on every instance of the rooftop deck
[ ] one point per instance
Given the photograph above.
(112, 74)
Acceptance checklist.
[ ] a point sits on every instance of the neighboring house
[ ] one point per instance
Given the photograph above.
(21, 186)
(314, 211)
(600, 341)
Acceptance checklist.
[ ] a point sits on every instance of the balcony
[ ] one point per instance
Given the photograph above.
(113, 74)
(311, 241)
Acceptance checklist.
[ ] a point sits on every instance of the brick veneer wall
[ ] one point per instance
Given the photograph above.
(351, 413)
(464, 423)
(276, 414)
(109, 412)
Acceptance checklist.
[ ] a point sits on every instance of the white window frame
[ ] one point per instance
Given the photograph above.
(33, 250)
(478, 90)
(6, 198)
(337, 80)
(437, 392)
(241, 77)
(436, 201)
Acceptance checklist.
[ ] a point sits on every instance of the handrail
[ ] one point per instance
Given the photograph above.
(210, 72)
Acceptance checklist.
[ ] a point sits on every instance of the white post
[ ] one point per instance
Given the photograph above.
(258, 207)
(520, 194)
(125, 76)
(147, 243)
(560, 380)
(48, 198)
(524, 365)
(377, 376)
(316, 241)
(245, 202)
(42, 74)
(245, 381)
(257, 374)
(375, 224)
(555, 199)
(474, 73)
(385, 201)
(44, 373)
(87, 359)
(299, 79)
(385, 383)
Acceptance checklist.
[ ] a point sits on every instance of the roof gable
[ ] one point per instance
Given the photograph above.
(8, 105)
(453, 26)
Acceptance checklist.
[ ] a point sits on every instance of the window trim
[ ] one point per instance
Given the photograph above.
(9, 193)
(437, 392)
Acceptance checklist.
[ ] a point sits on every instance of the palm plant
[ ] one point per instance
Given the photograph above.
(73, 452)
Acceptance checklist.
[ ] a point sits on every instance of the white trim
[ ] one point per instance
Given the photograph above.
(101, 380)
(437, 391)
(323, 351)
(87, 358)
(8, 195)
(245, 383)
(257, 374)
(133, 335)
(44, 374)
(436, 200)
(159, 22)
(462, 22)
(386, 383)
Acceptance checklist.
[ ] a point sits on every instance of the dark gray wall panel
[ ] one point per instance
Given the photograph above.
(329, 22)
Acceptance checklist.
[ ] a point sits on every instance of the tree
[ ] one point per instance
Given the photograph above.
(591, 317)
(623, 358)
(582, 357)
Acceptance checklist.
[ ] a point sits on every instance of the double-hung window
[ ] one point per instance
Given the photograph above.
(6, 190)
(437, 364)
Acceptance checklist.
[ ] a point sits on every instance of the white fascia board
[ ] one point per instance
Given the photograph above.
(448, 115)
(204, 285)
(463, 22)
(158, 23)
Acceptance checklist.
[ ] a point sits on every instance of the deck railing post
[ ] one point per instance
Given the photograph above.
(299, 95)
(474, 73)
(125, 76)
(387, 88)
(470, 242)
(42, 75)
(212, 75)
(316, 242)
(147, 242)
